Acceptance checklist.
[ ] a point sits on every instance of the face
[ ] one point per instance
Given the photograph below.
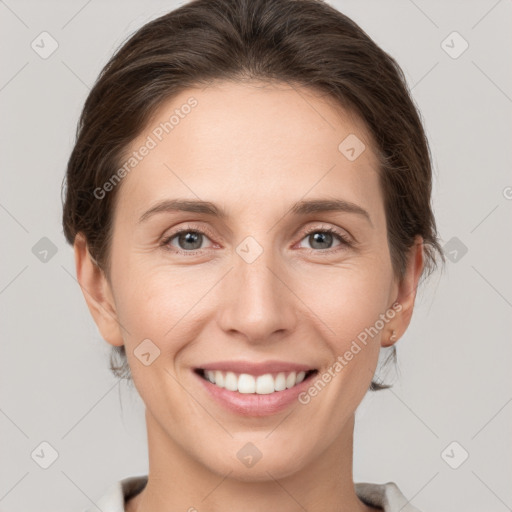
(256, 275)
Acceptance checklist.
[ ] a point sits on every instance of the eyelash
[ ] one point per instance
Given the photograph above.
(345, 242)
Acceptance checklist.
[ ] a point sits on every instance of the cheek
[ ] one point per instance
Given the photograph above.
(346, 300)
(349, 306)
(161, 305)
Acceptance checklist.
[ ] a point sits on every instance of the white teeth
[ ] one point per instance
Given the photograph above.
(262, 385)
(280, 382)
(265, 384)
(219, 379)
(246, 383)
(300, 377)
(290, 380)
(231, 381)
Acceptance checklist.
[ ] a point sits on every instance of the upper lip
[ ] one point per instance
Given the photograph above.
(256, 369)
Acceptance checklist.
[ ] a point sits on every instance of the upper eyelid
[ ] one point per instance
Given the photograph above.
(335, 229)
(306, 230)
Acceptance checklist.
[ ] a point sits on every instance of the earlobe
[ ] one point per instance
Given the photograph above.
(97, 293)
(406, 295)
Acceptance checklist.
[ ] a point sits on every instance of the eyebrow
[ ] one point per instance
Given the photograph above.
(304, 207)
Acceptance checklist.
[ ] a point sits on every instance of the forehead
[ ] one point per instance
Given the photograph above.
(251, 142)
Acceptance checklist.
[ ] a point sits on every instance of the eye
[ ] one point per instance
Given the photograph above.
(186, 240)
(322, 239)
(189, 240)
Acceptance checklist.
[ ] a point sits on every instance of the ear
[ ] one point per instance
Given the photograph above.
(406, 294)
(97, 293)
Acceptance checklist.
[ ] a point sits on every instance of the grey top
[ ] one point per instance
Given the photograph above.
(387, 496)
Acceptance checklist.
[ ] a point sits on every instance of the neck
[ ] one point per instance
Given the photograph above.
(178, 482)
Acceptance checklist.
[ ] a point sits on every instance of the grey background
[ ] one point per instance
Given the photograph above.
(454, 361)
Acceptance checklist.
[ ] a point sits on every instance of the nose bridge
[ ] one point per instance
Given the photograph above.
(257, 289)
(259, 303)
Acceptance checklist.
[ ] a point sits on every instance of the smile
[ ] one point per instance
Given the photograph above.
(246, 383)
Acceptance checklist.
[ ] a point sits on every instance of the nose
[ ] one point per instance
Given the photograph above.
(258, 302)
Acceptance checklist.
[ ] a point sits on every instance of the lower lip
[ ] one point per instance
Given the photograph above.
(253, 404)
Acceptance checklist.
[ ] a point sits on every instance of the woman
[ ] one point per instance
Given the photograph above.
(249, 203)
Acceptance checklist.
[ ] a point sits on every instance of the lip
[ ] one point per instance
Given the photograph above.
(253, 404)
(256, 369)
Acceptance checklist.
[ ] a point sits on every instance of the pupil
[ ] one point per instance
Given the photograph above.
(321, 238)
(193, 238)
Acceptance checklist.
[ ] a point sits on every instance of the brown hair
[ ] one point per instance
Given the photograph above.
(303, 42)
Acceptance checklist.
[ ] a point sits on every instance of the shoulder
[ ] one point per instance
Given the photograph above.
(388, 496)
(113, 497)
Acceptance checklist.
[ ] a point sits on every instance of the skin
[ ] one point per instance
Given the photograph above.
(253, 149)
